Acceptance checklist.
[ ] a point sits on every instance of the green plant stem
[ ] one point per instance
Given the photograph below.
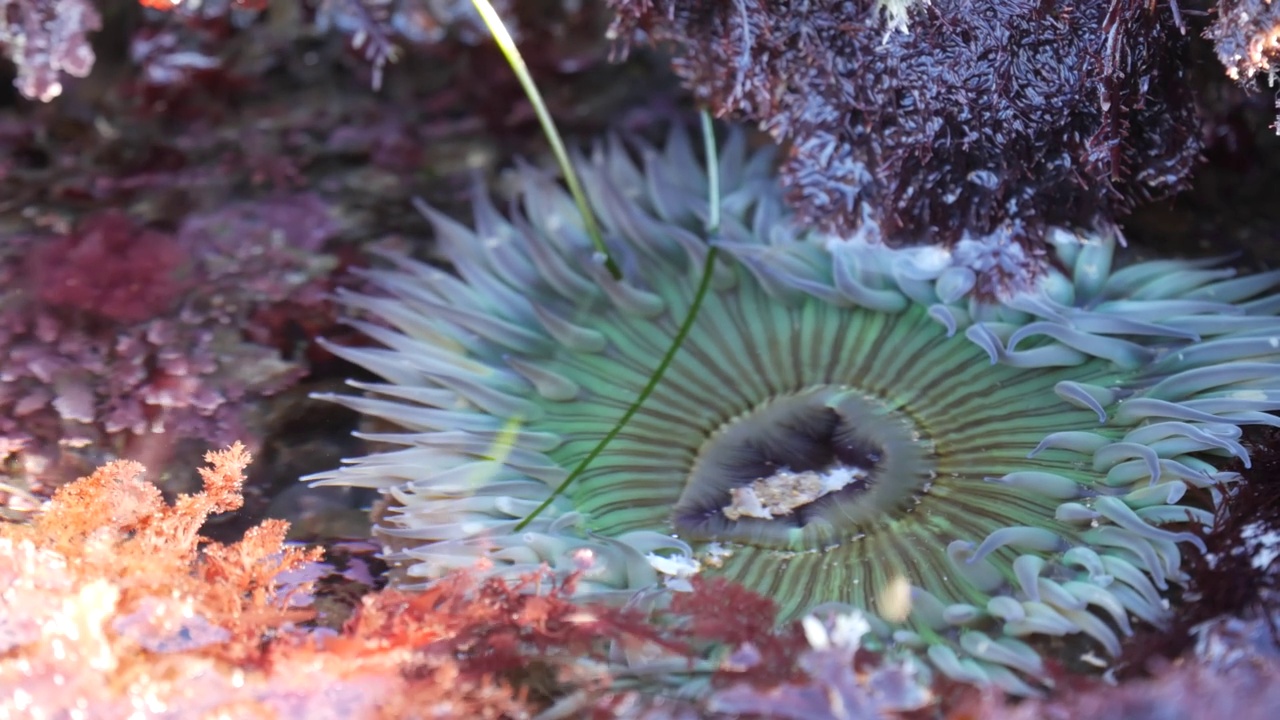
(509, 50)
(704, 284)
(713, 174)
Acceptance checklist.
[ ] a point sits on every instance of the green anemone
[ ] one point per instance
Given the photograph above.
(845, 423)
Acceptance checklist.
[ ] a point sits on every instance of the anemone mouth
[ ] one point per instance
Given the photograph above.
(804, 472)
(843, 423)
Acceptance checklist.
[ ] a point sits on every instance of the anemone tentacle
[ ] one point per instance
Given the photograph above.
(845, 423)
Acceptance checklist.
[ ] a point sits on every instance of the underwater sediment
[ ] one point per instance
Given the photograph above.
(845, 423)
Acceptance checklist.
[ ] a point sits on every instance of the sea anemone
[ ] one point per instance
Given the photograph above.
(844, 423)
